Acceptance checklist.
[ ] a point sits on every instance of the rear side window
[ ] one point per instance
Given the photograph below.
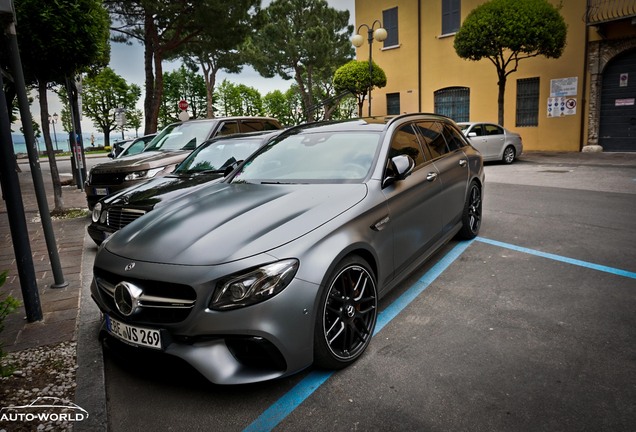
(252, 126)
(491, 129)
(432, 135)
(228, 128)
(453, 139)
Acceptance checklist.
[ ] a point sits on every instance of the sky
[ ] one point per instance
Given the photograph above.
(128, 62)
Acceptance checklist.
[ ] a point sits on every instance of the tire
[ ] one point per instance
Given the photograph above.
(471, 216)
(346, 315)
(509, 155)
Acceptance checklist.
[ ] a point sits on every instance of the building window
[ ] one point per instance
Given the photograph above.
(450, 16)
(527, 102)
(390, 24)
(393, 103)
(453, 102)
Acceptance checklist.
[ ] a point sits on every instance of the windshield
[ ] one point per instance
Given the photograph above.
(313, 157)
(218, 155)
(181, 136)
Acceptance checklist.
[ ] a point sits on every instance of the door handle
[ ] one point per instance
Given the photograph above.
(431, 176)
(463, 163)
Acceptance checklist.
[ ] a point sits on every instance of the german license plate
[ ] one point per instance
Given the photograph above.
(101, 191)
(138, 336)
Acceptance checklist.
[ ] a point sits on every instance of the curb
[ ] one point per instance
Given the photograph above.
(90, 392)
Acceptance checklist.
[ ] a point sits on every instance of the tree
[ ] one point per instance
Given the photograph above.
(103, 94)
(58, 40)
(183, 83)
(297, 39)
(164, 28)
(218, 47)
(355, 78)
(238, 100)
(508, 31)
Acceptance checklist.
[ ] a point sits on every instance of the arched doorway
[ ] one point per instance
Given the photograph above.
(617, 129)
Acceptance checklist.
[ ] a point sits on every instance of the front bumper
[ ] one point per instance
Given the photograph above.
(260, 342)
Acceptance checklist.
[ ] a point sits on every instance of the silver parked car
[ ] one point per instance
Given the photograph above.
(494, 142)
(282, 264)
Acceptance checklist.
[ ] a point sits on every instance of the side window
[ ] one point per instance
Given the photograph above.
(453, 140)
(390, 20)
(270, 126)
(251, 126)
(228, 128)
(451, 16)
(432, 133)
(491, 129)
(405, 142)
(393, 103)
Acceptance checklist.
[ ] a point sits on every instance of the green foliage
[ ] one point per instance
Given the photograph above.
(183, 83)
(298, 39)
(103, 93)
(7, 305)
(286, 107)
(525, 28)
(238, 100)
(355, 77)
(61, 38)
(507, 31)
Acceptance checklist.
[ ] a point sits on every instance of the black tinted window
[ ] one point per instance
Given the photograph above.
(453, 138)
(431, 133)
(405, 142)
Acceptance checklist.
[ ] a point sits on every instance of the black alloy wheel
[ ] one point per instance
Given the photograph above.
(347, 315)
(471, 218)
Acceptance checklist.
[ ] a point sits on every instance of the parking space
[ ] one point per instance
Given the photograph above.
(528, 327)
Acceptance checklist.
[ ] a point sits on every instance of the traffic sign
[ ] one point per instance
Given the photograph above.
(183, 105)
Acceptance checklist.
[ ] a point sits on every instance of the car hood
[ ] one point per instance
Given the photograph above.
(227, 222)
(159, 190)
(141, 161)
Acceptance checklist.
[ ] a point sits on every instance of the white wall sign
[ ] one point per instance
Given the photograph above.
(564, 87)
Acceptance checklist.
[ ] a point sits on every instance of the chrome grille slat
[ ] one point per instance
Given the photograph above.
(148, 300)
(119, 217)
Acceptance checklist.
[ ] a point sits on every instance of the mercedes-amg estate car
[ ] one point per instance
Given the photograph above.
(281, 265)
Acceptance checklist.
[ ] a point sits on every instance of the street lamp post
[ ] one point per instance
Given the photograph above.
(378, 34)
(54, 120)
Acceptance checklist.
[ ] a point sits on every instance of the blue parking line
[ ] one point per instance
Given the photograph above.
(559, 258)
(284, 406)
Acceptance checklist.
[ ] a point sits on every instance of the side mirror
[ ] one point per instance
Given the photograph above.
(231, 168)
(111, 155)
(472, 134)
(400, 167)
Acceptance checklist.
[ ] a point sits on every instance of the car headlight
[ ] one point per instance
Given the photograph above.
(254, 286)
(144, 174)
(97, 211)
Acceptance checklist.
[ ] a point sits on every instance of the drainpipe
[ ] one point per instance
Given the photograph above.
(584, 86)
(419, 55)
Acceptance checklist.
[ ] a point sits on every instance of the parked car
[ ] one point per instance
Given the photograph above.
(164, 152)
(494, 142)
(209, 162)
(118, 147)
(131, 147)
(282, 264)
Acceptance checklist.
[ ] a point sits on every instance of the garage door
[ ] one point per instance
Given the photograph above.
(618, 104)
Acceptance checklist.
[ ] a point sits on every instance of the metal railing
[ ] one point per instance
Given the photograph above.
(601, 11)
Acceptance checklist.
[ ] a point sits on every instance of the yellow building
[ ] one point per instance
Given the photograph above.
(584, 100)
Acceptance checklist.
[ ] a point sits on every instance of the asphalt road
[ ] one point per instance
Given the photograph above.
(531, 327)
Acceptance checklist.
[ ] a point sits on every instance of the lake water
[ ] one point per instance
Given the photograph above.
(19, 144)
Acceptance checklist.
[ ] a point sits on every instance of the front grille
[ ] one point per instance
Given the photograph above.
(107, 179)
(160, 303)
(119, 217)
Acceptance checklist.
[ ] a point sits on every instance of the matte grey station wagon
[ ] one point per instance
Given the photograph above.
(281, 265)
